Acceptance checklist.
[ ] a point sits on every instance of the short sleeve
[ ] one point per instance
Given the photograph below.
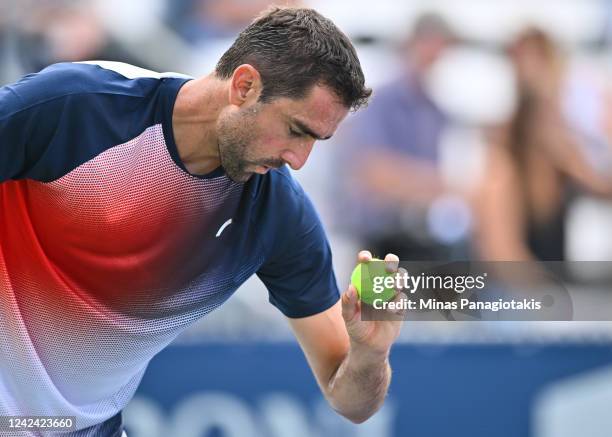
(298, 273)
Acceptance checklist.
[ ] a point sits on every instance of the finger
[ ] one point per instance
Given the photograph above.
(401, 312)
(393, 311)
(401, 274)
(391, 262)
(350, 303)
(364, 256)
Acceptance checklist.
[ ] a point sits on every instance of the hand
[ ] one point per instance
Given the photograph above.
(372, 337)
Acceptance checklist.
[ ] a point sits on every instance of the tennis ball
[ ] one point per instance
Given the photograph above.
(363, 278)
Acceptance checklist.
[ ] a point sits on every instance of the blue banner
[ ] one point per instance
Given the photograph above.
(267, 390)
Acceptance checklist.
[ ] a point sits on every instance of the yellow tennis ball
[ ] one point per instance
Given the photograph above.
(370, 281)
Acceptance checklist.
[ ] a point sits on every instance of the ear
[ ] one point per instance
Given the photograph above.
(245, 85)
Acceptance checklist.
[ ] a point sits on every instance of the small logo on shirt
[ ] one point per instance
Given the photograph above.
(223, 226)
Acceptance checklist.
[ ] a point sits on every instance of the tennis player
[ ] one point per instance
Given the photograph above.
(133, 203)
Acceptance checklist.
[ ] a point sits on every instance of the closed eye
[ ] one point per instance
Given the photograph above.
(295, 133)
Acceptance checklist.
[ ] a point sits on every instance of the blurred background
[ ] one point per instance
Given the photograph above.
(489, 137)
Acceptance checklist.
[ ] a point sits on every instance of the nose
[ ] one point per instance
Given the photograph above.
(297, 156)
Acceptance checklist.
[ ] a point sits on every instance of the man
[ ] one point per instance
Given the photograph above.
(131, 206)
(394, 185)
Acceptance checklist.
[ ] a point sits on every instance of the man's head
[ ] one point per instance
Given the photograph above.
(293, 77)
(430, 37)
(536, 59)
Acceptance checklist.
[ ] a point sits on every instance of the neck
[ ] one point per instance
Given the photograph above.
(196, 110)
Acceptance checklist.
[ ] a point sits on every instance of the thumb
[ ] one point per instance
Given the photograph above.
(350, 304)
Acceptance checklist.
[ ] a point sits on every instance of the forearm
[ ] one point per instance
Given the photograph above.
(394, 178)
(358, 387)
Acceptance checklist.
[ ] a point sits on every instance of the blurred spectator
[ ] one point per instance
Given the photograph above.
(66, 31)
(197, 20)
(392, 176)
(607, 31)
(533, 162)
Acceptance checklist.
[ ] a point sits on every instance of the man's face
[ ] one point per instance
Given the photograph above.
(427, 49)
(257, 137)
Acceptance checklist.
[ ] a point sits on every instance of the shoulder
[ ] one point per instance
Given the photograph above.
(281, 208)
(73, 79)
(68, 113)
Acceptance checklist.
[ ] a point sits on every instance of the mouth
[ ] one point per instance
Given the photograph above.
(262, 169)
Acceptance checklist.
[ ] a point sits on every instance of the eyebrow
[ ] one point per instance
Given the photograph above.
(301, 126)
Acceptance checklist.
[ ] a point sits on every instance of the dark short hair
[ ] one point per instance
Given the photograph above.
(294, 49)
